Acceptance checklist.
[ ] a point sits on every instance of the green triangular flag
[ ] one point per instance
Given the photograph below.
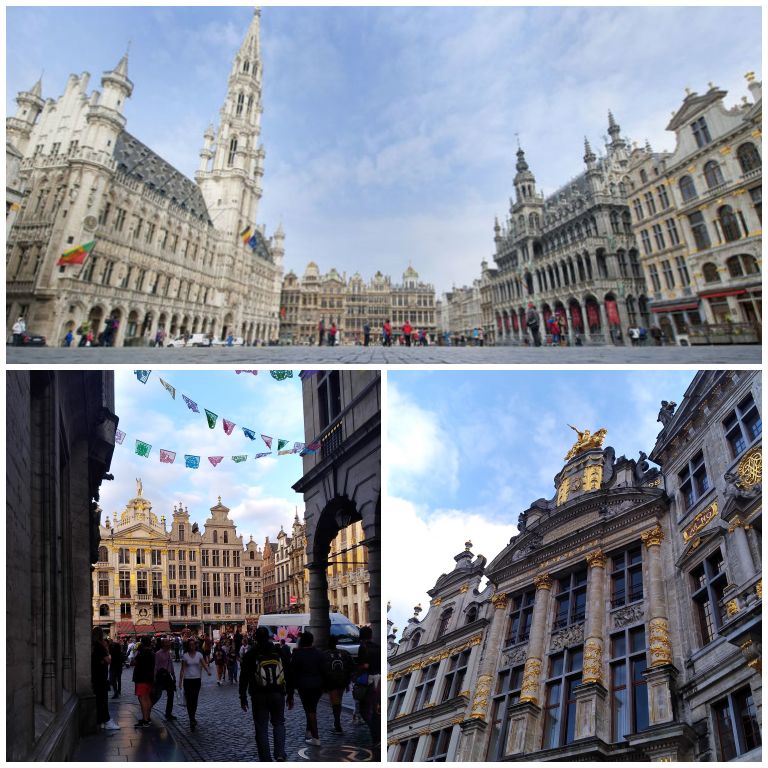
(211, 418)
(238, 459)
(282, 443)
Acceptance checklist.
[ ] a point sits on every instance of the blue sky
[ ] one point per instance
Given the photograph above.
(467, 452)
(390, 132)
(258, 491)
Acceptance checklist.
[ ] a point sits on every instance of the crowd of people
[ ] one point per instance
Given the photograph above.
(267, 673)
(408, 336)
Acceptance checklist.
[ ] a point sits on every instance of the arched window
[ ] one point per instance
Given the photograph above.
(226, 538)
(711, 275)
(728, 223)
(734, 267)
(232, 151)
(615, 223)
(471, 614)
(416, 639)
(246, 66)
(215, 537)
(748, 156)
(743, 264)
(713, 174)
(643, 176)
(687, 188)
(103, 555)
(252, 555)
(445, 618)
(240, 104)
(626, 221)
(103, 610)
(533, 221)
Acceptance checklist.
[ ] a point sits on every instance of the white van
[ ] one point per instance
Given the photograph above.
(288, 627)
(195, 340)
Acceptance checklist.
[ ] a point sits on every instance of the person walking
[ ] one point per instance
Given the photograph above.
(263, 675)
(332, 335)
(165, 677)
(116, 668)
(369, 674)
(18, 331)
(407, 331)
(232, 665)
(143, 678)
(220, 660)
(307, 667)
(532, 321)
(69, 338)
(336, 678)
(100, 662)
(366, 333)
(387, 330)
(190, 679)
(320, 332)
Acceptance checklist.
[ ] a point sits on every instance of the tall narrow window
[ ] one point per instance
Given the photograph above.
(713, 174)
(397, 697)
(749, 158)
(232, 151)
(425, 686)
(627, 577)
(438, 746)
(743, 426)
(699, 230)
(454, 678)
(694, 482)
(560, 698)
(629, 697)
(737, 726)
(674, 237)
(709, 581)
(571, 599)
(682, 270)
(701, 132)
(508, 686)
(728, 223)
(520, 618)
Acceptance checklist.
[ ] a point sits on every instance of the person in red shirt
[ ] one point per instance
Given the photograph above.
(407, 330)
(387, 330)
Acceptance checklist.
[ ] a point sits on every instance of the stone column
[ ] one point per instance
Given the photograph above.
(661, 674)
(319, 605)
(604, 327)
(374, 587)
(591, 717)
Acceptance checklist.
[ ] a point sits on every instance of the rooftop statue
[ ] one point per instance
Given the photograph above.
(139, 487)
(586, 441)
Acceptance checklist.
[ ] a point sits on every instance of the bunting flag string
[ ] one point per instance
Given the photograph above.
(142, 376)
(267, 441)
(239, 459)
(119, 436)
(255, 373)
(249, 433)
(281, 444)
(143, 449)
(262, 455)
(167, 457)
(212, 418)
(215, 460)
(285, 453)
(169, 387)
(191, 404)
(193, 462)
(281, 375)
(228, 426)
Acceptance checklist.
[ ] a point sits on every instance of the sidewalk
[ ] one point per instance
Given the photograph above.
(153, 744)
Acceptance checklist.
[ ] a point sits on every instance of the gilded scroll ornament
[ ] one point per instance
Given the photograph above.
(596, 559)
(750, 468)
(499, 600)
(593, 661)
(437, 601)
(444, 654)
(531, 676)
(464, 588)
(562, 491)
(658, 642)
(480, 700)
(731, 608)
(543, 581)
(654, 537)
(700, 521)
(586, 441)
(759, 589)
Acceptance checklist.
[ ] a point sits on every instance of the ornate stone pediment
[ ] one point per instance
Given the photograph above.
(566, 637)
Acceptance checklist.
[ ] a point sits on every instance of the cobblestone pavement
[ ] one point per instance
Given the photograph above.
(301, 356)
(224, 732)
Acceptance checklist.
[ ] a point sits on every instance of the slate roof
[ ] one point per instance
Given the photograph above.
(139, 162)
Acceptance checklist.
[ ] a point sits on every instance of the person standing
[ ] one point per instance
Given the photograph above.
(69, 338)
(220, 660)
(387, 329)
(320, 332)
(116, 668)
(407, 330)
(263, 676)
(332, 335)
(366, 333)
(307, 667)
(369, 668)
(336, 678)
(532, 321)
(143, 678)
(100, 662)
(165, 677)
(190, 677)
(232, 665)
(18, 331)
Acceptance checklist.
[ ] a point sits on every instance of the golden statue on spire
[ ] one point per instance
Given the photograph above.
(586, 441)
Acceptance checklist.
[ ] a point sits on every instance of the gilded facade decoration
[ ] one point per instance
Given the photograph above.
(593, 477)
(531, 676)
(480, 700)
(658, 642)
(700, 521)
(596, 559)
(750, 468)
(464, 588)
(563, 490)
(586, 442)
(593, 661)
(731, 608)
(543, 581)
(444, 654)
(499, 600)
(436, 601)
(654, 537)
(759, 589)
(571, 553)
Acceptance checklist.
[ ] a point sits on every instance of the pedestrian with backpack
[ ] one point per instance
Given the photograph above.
(307, 668)
(263, 676)
(368, 682)
(336, 678)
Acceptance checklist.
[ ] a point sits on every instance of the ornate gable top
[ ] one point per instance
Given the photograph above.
(586, 442)
(693, 105)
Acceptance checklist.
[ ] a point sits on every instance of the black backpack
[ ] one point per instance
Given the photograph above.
(335, 670)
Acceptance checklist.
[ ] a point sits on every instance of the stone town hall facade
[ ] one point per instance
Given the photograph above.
(622, 622)
(168, 253)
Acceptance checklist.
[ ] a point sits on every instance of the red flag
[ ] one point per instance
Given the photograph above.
(228, 426)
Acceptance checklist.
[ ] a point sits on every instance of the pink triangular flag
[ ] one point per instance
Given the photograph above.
(228, 426)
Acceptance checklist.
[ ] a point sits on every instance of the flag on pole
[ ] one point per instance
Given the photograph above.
(245, 235)
(212, 417)
(142, 376)
(191, 404)
(75, 255)
(143, 449)
(170, 388)
(215, 460)
(119, 436)
(249, 433)
(253, 241)
(193, 462)
(167, 457)
(267, 440)
(239, 459)
(228, 426)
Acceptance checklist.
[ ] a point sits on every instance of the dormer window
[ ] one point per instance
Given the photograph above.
(701, 132)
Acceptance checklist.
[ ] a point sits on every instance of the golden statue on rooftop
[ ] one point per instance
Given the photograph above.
(586, 441)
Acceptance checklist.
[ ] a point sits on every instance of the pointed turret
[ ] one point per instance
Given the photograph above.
(589, 155)
(525, 181)
(30, 105)
(614, 131)
(37, 88)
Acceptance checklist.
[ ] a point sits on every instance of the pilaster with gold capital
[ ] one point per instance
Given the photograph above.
(658, 626)
(533, 662)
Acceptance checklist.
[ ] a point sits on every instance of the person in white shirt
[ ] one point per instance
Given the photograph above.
(190, 677)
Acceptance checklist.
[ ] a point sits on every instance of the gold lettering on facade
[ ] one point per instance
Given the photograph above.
(448, 652)
(596, 559)
(658, 642)
(543, 581)
(531, 675)
(586, 441)
(654, 537)
(700, 521)
(750, 469)
(562, 491)
(593, 477)
(499, 600)
(593, 661)
(480, 701)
